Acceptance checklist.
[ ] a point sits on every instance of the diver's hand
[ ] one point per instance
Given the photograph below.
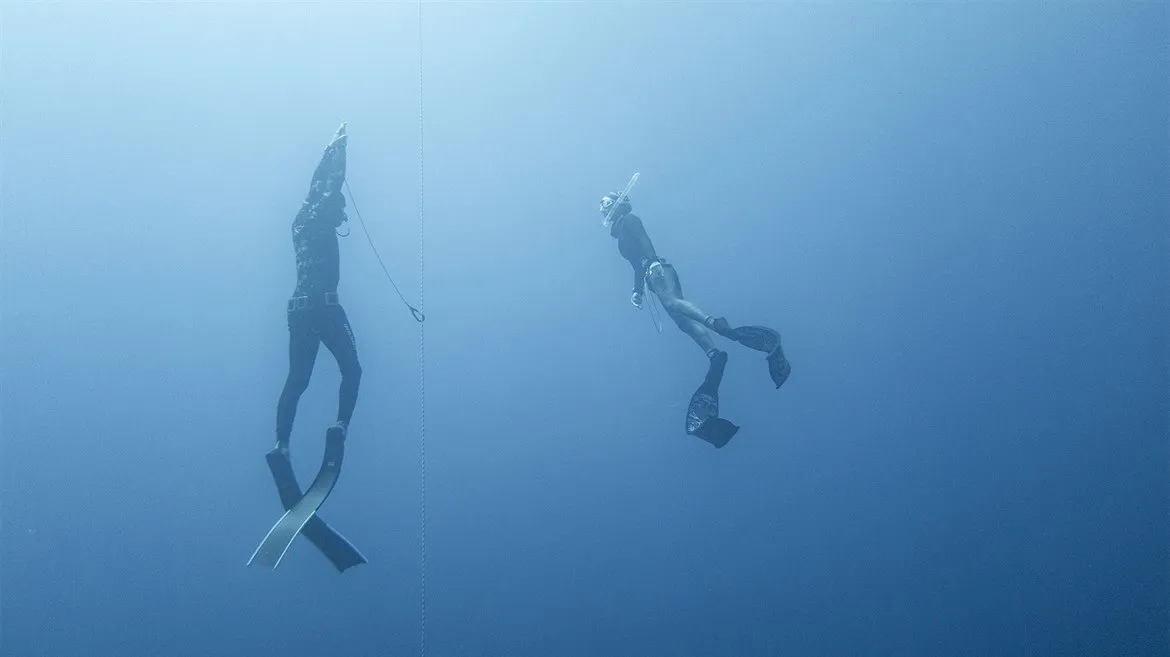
(339, 136)
(636, 299)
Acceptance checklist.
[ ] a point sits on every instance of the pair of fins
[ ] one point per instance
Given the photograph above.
(300, 516)
(703, 418)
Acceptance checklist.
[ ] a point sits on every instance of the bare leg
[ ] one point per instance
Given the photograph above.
(697, 331)
(676, 305)
(664, 282)
(694, 322)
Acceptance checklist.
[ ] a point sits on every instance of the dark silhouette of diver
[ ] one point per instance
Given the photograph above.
(315, 314)
(660, 276)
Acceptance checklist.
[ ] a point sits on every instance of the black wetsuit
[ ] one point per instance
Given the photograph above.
(635, 246)
(314, 314)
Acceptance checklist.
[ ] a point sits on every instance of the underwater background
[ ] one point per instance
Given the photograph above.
(955, 213)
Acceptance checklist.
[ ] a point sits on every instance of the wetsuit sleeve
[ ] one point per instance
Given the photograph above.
(327, 180)
(330, 173)
(636, 233)
(639, 277)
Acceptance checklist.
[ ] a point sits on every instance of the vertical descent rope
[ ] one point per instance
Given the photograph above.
(422, 352)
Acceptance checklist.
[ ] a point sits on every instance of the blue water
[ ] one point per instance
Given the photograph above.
(956, 214)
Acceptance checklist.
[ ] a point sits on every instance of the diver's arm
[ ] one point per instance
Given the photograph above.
(639, 277)
(327, 179)
(637, 233)
(330, 173)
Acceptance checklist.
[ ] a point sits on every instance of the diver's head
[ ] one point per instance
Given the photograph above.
(614, 206)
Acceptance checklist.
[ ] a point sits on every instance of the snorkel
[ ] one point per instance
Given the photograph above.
(622, 198)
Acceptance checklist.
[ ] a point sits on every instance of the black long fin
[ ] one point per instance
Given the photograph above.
(703, 418)
(778, 367)
(274, 546)
(335, 547)
(760, 338)
(717, 431)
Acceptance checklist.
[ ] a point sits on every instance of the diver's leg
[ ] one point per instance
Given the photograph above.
(696, 331)
(302, 353)
(666, 284)
(677, 305)
(338, 338)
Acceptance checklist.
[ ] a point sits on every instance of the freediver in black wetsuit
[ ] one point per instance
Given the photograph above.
(660, 276)
(315, 315)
